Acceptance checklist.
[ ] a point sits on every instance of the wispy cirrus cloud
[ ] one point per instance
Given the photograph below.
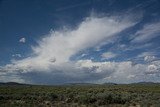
(108, 55)
(72, 6)
(143, 54)
(148, 32)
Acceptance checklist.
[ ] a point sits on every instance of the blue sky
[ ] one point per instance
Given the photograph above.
(64, 41)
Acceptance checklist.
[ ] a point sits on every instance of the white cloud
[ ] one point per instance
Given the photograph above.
(135, 46)
(149, 58)
(122, 46)
(83, 55)
(61, 45)
(122, 72)
(148, 32)
(98, 47)
(16, 55)
(13, 78)
(153, 67)
(10, 77)
(131, 76)
(52, 54)
(144, 54)
(108, 55)
(89, 71)
(22, 40)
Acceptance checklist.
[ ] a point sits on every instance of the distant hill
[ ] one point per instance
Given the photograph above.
(11, 84)
(74, 84)
(110, 83)
(80, 84)
(145, 83)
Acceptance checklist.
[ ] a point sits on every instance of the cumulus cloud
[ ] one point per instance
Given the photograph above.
(123, 72)
(22, 40)
(11, 77)
(149, 58)
(154, 68)
(108, 55)
(90, 71)
(148, 32)
(51, 57)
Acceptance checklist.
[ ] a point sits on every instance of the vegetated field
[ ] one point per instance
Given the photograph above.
(88, 95)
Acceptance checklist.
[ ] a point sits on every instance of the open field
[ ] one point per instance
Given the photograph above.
(80, 95)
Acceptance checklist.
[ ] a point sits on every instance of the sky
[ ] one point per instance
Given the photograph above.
(79, 41)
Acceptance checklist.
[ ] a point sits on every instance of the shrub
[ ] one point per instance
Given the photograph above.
(53, 96)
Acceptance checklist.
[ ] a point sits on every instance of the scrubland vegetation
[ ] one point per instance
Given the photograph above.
(131, 95)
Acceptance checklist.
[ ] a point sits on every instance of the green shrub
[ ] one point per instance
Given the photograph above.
(53, 96)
